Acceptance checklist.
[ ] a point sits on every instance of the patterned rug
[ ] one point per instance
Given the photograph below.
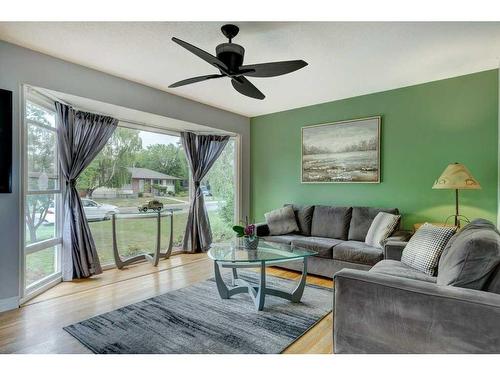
(196, 320)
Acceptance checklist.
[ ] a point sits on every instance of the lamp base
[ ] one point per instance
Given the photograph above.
(457, 219)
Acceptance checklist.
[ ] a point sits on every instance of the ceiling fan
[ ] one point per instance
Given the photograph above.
(229, 62)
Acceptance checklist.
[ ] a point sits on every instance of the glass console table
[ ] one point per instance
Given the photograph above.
(154, 257)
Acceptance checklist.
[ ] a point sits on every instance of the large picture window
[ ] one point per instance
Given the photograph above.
(134, 167)
(42, 194)
(137, 165)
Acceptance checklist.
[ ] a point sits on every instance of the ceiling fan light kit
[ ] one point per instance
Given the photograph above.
(229, 61)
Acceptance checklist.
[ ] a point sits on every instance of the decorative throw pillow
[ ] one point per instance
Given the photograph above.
(425, 247)
(382, 227)
(281, 221)
(471, 257)
(303, 216)
(331, 222)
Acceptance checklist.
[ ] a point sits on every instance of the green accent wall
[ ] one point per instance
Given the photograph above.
(424, 128)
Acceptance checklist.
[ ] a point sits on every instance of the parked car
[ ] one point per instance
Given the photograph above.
(154, 205)
(98, 211)
(205, 191)
(94, 211)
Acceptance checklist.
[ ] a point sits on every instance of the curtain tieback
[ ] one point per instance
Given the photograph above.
(71, 183)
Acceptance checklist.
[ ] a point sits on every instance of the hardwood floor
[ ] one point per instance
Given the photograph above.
(36, 327)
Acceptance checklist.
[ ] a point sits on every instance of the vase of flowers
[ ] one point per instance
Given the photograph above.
(248, 233)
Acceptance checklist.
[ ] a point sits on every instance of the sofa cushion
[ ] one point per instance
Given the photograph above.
(281, 221)
(331, 222)
(357, 252)
(471, 256)
(285, 238)
(362, 218)
(396, 268)
(493, 283)
(323, 246)
(381, 228)
(303, 216)
(425, 247)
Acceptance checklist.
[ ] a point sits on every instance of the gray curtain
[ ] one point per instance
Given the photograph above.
(202, 151)
(81, 136)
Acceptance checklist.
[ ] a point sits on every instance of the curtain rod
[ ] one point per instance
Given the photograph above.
(50, 96)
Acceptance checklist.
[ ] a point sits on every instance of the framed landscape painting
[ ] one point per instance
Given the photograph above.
(344, 151)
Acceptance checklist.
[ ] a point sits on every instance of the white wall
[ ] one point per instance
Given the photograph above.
(20, 66)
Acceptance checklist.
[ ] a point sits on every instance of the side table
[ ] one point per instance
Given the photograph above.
(153, 258)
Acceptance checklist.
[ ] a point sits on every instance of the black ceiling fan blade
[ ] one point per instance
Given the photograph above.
(273, 69)
(245, 87)
(209, 58)
(195, 79)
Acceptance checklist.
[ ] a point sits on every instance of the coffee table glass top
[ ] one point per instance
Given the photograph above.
(266, 251)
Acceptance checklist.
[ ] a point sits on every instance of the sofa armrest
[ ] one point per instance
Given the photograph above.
(261, 229)
(394, 249)
(377, 313)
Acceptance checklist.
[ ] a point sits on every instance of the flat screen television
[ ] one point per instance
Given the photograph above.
(5, 141)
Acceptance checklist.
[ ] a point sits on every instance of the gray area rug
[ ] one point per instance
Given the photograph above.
(196, 320)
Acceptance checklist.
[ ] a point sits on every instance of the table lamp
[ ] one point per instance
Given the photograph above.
(456, 176)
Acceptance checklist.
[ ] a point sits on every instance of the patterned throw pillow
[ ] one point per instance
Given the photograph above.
(281, 221)
(382, 227)
(425, 247)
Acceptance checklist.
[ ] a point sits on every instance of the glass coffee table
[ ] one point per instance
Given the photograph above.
(233, 255)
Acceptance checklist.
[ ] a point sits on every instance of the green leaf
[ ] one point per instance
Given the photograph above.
(240, 231)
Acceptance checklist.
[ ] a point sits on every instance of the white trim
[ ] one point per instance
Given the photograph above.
(22, 197)
(40, 99)
(43, 192)
(42, 245)
(498, 150)
(10, 303)
(24, 292)
(40, 125)
(108, 266)
(238, 178)
(41, 286)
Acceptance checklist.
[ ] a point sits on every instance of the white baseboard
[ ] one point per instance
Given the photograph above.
(9, 303)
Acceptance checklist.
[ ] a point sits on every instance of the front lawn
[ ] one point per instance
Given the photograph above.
(134, 236)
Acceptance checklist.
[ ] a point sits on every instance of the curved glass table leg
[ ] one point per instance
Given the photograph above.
(224, 291)
(153, 258)
(257, 292)
(167, 253)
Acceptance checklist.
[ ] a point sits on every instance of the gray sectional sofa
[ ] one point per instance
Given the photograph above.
(393, 308)
(337, 234)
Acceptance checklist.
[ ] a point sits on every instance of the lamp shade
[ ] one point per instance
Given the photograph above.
(456, 176)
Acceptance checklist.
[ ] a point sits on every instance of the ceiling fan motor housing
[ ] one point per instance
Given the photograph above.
(231, 54)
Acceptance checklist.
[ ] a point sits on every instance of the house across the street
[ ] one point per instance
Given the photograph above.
(145, 180)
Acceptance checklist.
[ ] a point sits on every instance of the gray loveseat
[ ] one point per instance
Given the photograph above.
(393, 308)
(337, 234)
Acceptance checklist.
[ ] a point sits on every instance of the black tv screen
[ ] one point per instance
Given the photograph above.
(5, 141)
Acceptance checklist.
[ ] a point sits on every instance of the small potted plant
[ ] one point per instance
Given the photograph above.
(248, 232)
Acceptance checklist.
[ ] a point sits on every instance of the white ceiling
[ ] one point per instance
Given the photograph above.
(345, 59)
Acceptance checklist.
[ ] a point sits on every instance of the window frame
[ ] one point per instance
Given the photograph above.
(27, 292)
(48, 282)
